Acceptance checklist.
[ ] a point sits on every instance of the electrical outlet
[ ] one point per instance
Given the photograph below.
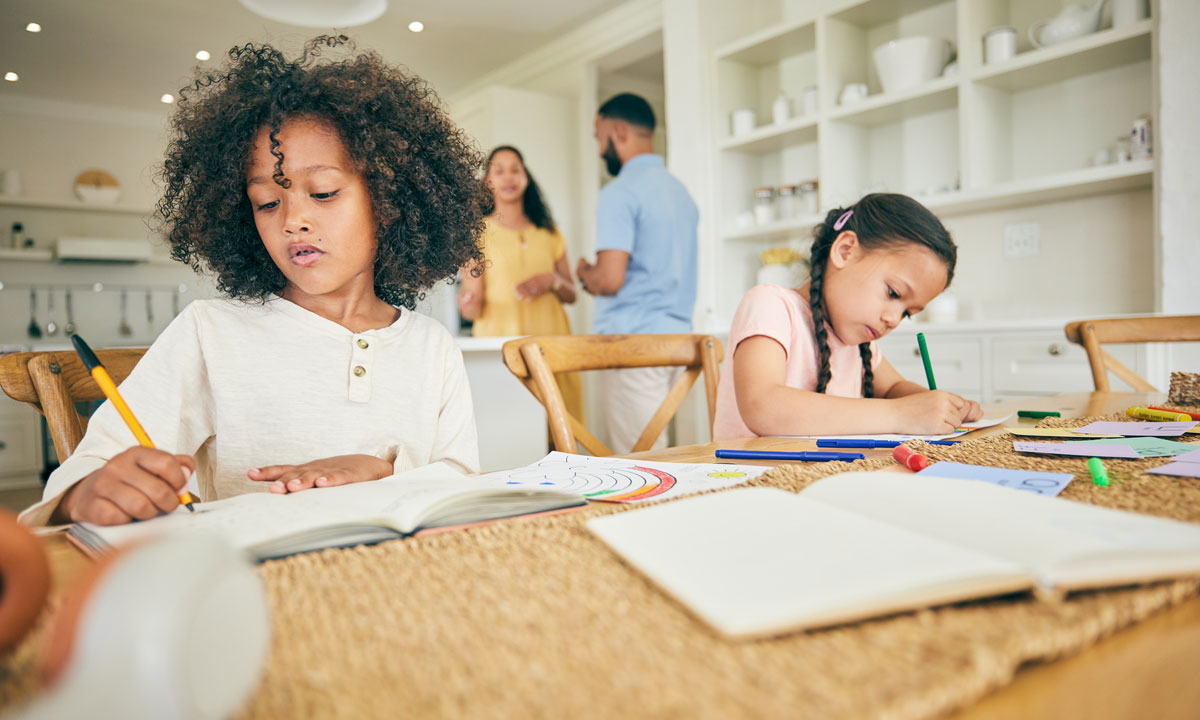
(1021, 239)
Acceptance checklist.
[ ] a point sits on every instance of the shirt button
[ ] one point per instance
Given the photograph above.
(359, 371)
(363, 344)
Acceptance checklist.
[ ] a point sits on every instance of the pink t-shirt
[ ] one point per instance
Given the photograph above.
(785, 316)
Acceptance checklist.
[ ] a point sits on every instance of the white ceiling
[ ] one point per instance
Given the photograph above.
(127, 53)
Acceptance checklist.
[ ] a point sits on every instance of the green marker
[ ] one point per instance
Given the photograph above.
(1038, 413)
(925, 359)
(1099, 475)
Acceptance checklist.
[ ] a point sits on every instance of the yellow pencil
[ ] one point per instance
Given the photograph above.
(109, 388)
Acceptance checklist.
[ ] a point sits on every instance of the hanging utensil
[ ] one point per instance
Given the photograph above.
(69, 328)
(149, 310)
(34, 330)
(124, 330)
(51, 326)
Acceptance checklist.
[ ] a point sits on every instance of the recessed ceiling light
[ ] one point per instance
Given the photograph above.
(168, 98)
(202, 55)
(33, 27)
(11, 76)
(416, 26)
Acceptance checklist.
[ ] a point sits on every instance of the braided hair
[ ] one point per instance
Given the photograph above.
(879, 220)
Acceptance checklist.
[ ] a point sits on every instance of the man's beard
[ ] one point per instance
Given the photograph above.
(612, 162)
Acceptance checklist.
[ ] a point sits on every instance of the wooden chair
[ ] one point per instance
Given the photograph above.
(1091, 334)
(536, 358)
(52, 382)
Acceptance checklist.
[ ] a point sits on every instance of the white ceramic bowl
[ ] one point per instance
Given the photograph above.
(92, 195)
(910, 61)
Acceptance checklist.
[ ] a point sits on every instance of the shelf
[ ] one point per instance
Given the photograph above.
(75, 205)
(1082, 56)
(887, 108)
(877, 12)
(1048, 188)
(32, 255)
(772, 45)
(783, 229)
(773, 138)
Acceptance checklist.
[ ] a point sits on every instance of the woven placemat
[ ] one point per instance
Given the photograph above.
(534, 617)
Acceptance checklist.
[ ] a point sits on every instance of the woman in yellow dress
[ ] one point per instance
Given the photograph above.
(526, 278)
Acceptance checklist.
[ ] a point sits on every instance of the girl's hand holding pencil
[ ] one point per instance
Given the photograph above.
(326, 472)
(137, 484)
(935, 412)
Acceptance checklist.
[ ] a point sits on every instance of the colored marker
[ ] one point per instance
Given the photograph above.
(1142, 413)
(1038, 413)
(872, 444)
(925, 359)
(910, 459)
(779, 455)
(109, 388)
(1099, 475)
(1169, 410)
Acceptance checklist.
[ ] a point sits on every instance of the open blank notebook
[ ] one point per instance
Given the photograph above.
(761, 561)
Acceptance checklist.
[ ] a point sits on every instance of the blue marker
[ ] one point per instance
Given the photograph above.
(872, 444)
(777, 455)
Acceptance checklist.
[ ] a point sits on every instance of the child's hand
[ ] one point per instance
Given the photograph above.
(535, 286)
(138, 484)
(973, 411)
(933, 412)
(326, 472)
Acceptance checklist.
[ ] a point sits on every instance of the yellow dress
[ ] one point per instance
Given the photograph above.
(511, 258)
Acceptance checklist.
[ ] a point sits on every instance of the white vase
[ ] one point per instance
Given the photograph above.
(782, 275)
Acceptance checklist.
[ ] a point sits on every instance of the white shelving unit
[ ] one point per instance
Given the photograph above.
(988, 137)
(78, 206)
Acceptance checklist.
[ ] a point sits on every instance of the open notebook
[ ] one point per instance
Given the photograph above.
(761, 561)
(271, 526)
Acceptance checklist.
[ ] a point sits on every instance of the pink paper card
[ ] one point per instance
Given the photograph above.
(1186, 465)
(1139, 429)
(1077, 449)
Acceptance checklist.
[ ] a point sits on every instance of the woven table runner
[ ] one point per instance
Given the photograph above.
(534, 618)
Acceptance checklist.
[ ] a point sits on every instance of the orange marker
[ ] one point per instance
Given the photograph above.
(910, 459)
(109, 388)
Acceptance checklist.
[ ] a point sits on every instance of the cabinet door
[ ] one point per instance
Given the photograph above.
(1048, 364)
(19, 438)
(956, 361)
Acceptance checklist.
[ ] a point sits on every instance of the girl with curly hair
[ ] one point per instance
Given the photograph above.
(806, 361)
(324, 197)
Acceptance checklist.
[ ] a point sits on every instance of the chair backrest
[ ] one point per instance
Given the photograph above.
(1092, 334)
(52, 382)
(536, 358)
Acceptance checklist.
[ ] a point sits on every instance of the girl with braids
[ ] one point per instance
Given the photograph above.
(526, 277)
(324, 197)
(806, 362)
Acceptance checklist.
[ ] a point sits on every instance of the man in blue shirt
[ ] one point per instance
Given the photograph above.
(644, 278)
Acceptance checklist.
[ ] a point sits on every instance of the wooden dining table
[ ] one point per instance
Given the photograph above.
(1147, 671)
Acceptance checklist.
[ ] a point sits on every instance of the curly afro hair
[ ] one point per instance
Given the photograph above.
(420, 170)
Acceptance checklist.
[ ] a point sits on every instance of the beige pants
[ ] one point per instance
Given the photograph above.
(630, 398)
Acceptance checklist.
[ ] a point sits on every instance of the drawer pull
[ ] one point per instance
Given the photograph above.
(1055, 349)
(916, 352)
(3, 445)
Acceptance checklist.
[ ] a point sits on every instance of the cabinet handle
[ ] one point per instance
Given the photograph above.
(1055, 349)
(917, 352)
(3, 445)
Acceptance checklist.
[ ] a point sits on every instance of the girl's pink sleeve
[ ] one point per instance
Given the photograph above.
(765, 310)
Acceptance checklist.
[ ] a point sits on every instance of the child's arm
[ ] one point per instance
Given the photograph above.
(769, 406)
(137, 484)
(889, 383)
(325, 472)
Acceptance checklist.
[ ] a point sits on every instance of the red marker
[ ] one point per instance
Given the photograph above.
(910, 459)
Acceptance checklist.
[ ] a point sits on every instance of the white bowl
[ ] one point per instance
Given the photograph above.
(92, 195)
(908, 62)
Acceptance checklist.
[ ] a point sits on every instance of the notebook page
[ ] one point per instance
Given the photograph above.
(247, 520)
(761, 561)
(1070, 545)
